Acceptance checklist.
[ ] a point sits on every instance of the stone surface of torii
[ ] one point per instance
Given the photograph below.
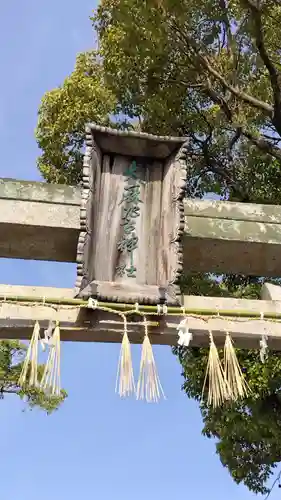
(42, 221)
(271, 292)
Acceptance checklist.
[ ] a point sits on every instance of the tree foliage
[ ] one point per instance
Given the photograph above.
(247, 433)
(209, 70)
(205, 69)
(12, 354)
(63, 113)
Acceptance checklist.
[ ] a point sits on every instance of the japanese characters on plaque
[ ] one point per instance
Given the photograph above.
(130, 212)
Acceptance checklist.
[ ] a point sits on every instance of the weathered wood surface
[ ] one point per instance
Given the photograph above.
(133, 143)
(42, 221)
(132, 222)
(17, 320)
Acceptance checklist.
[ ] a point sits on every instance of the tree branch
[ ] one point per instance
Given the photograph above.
(207, 65)
(256, 103)
(263, 145)
(9, 391)
(233, 141)
(217, 99)
(227, 27)
(274, 74)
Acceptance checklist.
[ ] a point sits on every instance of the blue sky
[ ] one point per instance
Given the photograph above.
(96, 446)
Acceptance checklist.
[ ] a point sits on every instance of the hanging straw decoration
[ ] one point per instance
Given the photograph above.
(125, 383)
(50, 382)
(31, 360)
(238, 387)
(149, 386)
(218, 390)
(185, 336)
(263, 344)
(263, 348)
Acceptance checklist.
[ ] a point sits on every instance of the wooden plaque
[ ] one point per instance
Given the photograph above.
(132, 218)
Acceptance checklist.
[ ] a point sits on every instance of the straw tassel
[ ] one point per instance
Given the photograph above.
(50, 382)
(218, 390)
(185, 336)
(149, 386)
(238, 387)
(125, 383)
(31, 360)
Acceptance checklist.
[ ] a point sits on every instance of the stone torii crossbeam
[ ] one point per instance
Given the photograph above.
(43, 222)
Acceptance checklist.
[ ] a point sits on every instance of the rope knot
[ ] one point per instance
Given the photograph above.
(92, 303)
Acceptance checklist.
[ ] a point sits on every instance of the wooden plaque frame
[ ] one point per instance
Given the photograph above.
(132, 218)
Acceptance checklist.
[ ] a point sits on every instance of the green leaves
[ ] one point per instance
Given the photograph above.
(12, 354)
(197, 69)
(62, 117)
(247, 433)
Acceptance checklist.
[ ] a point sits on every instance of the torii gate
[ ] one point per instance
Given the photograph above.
(82, 224)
